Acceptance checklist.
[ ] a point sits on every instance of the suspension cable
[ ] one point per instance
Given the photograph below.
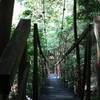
(44, 22)
(63, 14)
(62, 23)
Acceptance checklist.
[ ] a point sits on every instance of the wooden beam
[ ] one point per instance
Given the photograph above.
(15, 48)
(88, 73)
(6, 13)
(23, 76)
(11, 57)
(83, 35)
(35, 67)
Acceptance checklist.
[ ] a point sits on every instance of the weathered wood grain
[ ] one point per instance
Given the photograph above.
(10, 59)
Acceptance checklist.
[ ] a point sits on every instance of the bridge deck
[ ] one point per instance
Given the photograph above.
(55, 90)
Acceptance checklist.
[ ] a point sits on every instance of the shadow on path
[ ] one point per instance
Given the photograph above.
(54, 90)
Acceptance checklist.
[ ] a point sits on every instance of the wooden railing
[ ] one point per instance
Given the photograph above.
(83, 35)
(11, 57)
(37, 45)
(86, 35)
(13, 60)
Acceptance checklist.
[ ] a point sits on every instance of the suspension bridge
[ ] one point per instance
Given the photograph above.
(13, 60)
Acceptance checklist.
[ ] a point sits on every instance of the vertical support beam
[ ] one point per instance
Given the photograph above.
(22, 77)
(77, 47)
(10, 59)
(88, 74)
(84, 70)
(6, 13)
(35, 69)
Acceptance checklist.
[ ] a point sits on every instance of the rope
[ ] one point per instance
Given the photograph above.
(62, 24)
(44, 21)
(44, 16)
(63, 15)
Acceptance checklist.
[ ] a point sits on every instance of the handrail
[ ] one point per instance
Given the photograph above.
(10, 59)
(41, 52)
(39, 45)
(84, 33)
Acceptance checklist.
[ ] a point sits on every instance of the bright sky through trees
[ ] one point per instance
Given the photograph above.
(18, 9)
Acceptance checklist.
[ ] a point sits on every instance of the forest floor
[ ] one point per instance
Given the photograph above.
(55, 90)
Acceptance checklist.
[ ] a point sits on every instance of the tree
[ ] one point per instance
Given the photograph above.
(97, 35)
(77, 48)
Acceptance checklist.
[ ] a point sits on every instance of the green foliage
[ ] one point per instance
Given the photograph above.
(95, 98)
(89, 9)
(27, 13)
(57, 40)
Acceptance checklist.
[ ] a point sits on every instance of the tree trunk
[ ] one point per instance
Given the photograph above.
(77, 47)
(97, 35)
(6, 12)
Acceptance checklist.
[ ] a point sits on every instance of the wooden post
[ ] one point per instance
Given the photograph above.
(84, 70)
(88, 74)
(22, 77)
(10, 59)
(6, 12)
(35, 69)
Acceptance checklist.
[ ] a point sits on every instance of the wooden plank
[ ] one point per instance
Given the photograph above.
(6, 12)
(13, 52)
(11, 57)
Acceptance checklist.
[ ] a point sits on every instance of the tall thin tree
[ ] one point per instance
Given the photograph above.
(77, 47)
(97, 35)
